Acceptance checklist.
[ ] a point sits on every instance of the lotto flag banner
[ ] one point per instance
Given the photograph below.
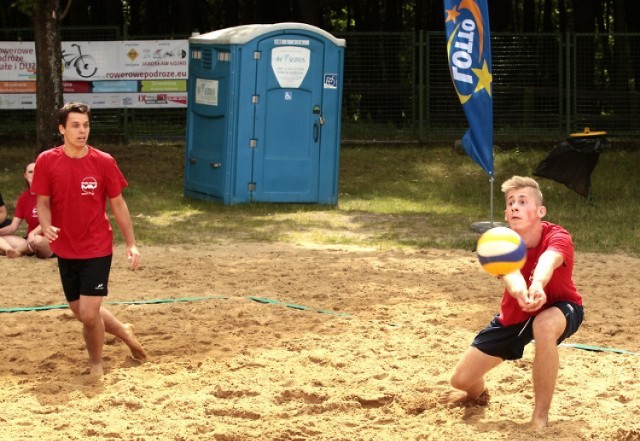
(469, 53)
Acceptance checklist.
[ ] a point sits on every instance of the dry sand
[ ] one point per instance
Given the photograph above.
(346, 344)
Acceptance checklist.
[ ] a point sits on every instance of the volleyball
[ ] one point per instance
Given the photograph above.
(501, 251)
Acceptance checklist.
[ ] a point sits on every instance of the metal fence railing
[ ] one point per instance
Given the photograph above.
(397, 87)
(378, 100)
(606, 82)
(527, 87)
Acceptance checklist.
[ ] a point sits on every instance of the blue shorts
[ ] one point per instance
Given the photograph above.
(508, 342)
(87, 277)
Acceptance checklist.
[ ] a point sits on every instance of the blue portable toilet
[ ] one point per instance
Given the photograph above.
(263, 117)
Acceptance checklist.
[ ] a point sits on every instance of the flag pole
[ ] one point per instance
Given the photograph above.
(482, 226)
(491, 179)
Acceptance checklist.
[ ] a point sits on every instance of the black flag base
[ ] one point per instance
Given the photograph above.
(481, 227)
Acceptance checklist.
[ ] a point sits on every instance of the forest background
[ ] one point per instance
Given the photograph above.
(148, 17)
(606, 69)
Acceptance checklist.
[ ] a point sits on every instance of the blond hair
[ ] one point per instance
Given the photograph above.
(518, 182)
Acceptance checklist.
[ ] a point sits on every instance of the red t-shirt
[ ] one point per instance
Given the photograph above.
(26, 209)
(560, 286)
(79, 188)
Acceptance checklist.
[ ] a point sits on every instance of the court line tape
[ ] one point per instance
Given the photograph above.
(179, 300)
(598, 348)
(124, 302)
(265, 300)
(294, 306)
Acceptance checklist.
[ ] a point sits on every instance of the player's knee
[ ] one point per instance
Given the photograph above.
(545, 330)
(89, 317)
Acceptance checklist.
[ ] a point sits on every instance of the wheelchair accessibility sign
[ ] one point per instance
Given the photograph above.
(330, 81)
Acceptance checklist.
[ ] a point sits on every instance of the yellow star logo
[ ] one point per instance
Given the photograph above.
(452, 14)
(484, 78)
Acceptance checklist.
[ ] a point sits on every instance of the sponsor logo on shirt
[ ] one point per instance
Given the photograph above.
(88, 186)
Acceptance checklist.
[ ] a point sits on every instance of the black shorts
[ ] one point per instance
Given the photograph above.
(508, 342)
(87, 277)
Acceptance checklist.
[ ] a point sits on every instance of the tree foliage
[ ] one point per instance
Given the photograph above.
(180, 18)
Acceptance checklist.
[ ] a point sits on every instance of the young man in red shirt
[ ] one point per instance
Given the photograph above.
(73, 182)
(539, 302)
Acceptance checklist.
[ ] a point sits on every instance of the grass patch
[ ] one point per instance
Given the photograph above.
(389, 197)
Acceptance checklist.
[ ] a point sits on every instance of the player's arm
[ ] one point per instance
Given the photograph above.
(43, 206)
(37, 231)
(516, 286)
(536, 296)
(12, 227)
(547, 264)
(120, 211)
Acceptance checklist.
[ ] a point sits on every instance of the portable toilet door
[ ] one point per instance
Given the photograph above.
(208, 157)
(288, 117)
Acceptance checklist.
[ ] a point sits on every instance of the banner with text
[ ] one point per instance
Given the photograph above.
(103, 74)
(469, 52)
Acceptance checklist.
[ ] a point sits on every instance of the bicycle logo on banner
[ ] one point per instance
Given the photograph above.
(84, 64)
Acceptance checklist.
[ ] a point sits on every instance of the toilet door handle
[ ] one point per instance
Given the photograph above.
(316, 131)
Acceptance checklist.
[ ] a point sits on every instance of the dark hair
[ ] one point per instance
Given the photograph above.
(74, 107)
(25, 170)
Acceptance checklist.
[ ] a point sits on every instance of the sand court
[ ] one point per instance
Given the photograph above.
(274, 341)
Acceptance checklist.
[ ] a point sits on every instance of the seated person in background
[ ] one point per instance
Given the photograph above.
(4, 221)
(35, 243)
(7, 250)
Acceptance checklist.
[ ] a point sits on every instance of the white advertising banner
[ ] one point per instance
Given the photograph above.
(104, 74)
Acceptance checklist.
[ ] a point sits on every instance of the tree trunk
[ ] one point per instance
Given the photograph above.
(562, 19)
(48, 73)
(268, 12)
(501, 16)
(584, 16)
(230, 16)
(393, 16)
(547, 25)
(529, 15)
(310, 12)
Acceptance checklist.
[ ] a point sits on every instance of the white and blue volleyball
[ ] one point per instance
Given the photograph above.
(501, 251)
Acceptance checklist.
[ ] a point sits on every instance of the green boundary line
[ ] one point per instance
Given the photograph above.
(598, 348)
(265, 300)
(124, 302)
(178, 300)
(294, 306)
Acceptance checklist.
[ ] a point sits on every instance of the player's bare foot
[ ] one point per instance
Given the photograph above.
(538, 424)
(96, 370)
(137, 351)
(13, 253)
(461, 398)
(455, 397)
